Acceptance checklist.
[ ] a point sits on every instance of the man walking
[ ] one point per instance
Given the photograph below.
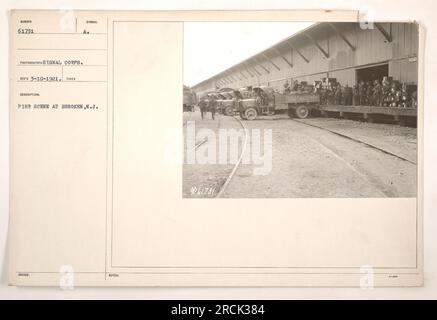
(212, 105)
(203, 105)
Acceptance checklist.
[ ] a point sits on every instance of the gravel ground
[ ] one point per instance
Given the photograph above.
(396, 139)
(312, 162)
(205, 180)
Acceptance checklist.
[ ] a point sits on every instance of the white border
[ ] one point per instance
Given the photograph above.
(378, 10)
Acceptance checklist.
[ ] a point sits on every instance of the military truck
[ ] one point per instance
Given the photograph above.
(227, 102)
(189, 99)
(264, 100)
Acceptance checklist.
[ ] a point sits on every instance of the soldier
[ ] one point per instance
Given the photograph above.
(396, 93)
(212, 106)
(381, 94)
(404, 99)
(317, 86)
(286, 87)
(203, 105)
(369, 93)
(385, 91)
(356, 96)
(391, 97)
(323, 95)
(362, 92)
(338, 94)
(398, 98)
(377, 93)
(332, 88)
(329, 94)
(414, 99)
(347, 96)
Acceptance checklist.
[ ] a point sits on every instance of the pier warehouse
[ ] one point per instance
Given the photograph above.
(345, 51)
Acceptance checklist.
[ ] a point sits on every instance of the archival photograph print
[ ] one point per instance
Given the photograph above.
(300, 110)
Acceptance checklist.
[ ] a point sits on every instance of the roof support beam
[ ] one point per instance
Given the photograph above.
(236, 76)
(256, 70)
(230, 76)
(317, 45)
(257, 73)
(250, 72)
(283, 58)
(292, 46)
(381, 29)
(271, 61)
(241, 72)
(341, 35)
(260, 64)
(247, 69)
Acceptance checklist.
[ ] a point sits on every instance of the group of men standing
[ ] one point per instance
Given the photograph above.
(385, 93)
(368, 93)
(208, 103)
(335, 93)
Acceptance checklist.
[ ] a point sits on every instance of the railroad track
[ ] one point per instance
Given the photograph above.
(198, 144)
(357, 140)
(237, 164)
(234, 169)
(366, 176)
(189, 118)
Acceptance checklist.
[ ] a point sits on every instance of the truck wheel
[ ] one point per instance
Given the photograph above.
(242, 115)
(250, 113)
(302, 112)
(229, 111)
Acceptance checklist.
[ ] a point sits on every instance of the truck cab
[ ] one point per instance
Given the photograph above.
(264, 100)
(189, 99)
(227, 102)
(256, 101)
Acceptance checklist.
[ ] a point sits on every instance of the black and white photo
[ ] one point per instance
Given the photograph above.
(300, 110)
